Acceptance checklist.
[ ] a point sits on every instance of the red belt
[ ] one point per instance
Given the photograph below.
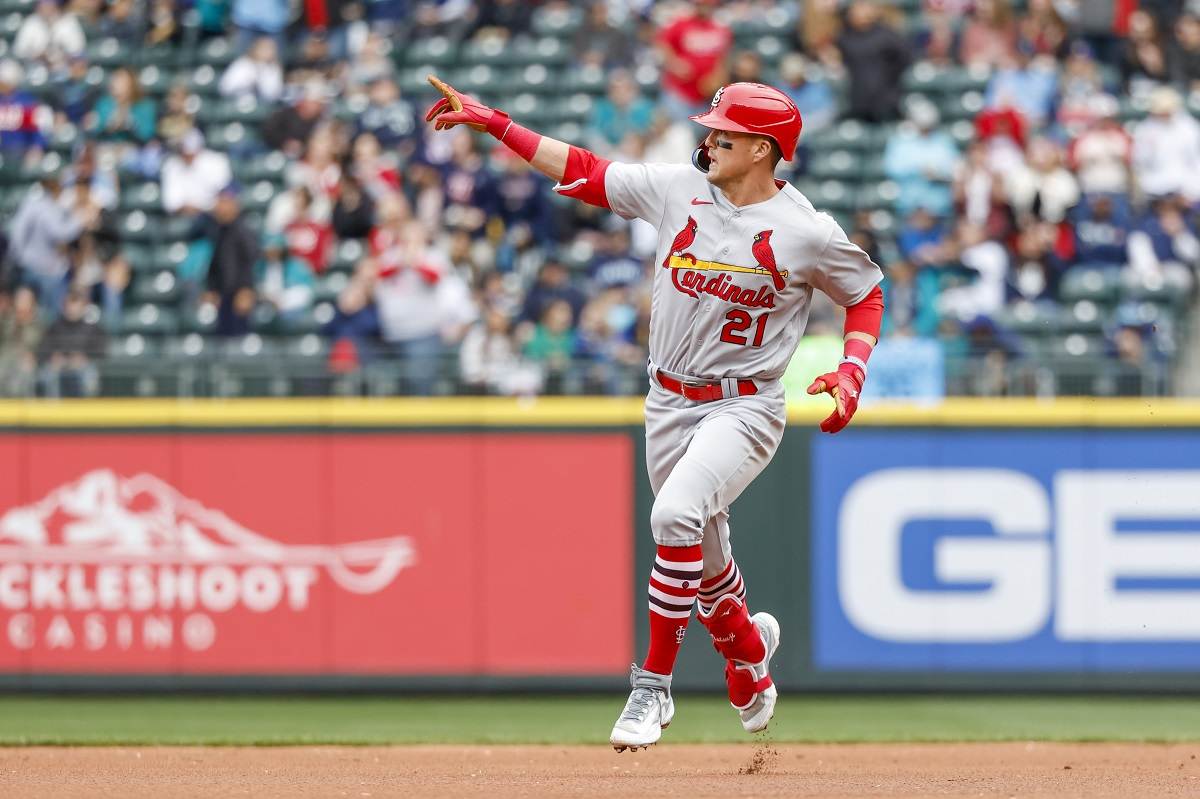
(703, 392)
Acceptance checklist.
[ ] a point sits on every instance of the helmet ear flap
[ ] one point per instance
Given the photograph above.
(700, 158)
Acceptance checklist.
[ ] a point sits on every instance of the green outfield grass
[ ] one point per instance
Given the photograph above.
(581, 719)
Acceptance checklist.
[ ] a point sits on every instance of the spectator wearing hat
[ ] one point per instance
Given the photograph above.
(1100, 155)
(235, 251)
(1164, 248)
(41, 229)
(876, 56)
(921, 159)
(192, 179)
(69, 350)
(1083, 94)
(1166, 148)
(257, 73)
(20, 127)
(283, 281)
(74, 96)
(412, 284)
(614, 265)
(553, 283)
(1101, 224)
(49, 35)
(391, 119)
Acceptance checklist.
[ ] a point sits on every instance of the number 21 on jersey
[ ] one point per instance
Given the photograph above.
(738, 322)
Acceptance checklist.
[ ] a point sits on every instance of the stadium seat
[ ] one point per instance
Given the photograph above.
(245, 110)
(347, 255)
(132, 348)
(435, 51)
(200, 320)
(1098, 284)
(146, 197)
(216, 53)
(877, 195)
(135, 226)
(1030, 318)
(148, 320)
(203, 80)
(108, 53)
(192, 347)
(1083, 316)
(159, 288)
(557, 20)
(269, 167)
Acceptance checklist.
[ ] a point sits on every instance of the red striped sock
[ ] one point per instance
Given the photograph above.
(673, 585)
(729, 581)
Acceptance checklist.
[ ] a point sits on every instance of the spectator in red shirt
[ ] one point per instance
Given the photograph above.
(693, 48)
(20, 134)
(309, 237)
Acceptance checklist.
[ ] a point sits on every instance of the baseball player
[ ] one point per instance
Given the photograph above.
(739, 255)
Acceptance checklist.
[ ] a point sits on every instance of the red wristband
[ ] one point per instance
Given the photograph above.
(522, 141)
(855, 354)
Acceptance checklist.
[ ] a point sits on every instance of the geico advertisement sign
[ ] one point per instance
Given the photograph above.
(994, 552)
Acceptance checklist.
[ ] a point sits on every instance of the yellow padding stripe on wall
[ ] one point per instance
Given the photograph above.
(566, 412)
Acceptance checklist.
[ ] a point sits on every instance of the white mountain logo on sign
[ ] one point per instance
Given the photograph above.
(107, 545)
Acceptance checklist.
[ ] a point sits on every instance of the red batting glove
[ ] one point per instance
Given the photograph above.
(456, 108)
(844, 386)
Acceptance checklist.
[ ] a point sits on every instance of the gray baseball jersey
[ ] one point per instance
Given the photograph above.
(732, 286)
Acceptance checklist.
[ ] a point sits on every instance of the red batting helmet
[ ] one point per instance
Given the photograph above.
(755, 108)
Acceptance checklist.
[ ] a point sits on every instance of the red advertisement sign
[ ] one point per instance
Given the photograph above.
(456, 554)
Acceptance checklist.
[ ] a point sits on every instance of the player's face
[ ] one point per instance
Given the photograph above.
(732, 155)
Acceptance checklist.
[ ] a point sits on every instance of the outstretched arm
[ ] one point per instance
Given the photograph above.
(577, 172)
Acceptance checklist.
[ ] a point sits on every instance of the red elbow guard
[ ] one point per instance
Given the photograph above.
(583, 179)
(866, 316)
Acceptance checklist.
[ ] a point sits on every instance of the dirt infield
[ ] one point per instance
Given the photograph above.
(768, 770)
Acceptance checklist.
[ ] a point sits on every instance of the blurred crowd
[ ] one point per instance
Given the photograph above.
(467, 258)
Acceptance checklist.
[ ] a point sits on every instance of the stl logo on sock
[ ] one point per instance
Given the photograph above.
(679, 631)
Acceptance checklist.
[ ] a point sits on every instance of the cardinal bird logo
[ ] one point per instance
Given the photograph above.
(683, 240)
(766, 257)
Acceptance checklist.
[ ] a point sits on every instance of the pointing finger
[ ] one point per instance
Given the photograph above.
(817, 387)
(447, 90)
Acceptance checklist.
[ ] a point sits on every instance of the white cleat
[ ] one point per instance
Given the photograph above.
(647, 713)
(758, 712)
